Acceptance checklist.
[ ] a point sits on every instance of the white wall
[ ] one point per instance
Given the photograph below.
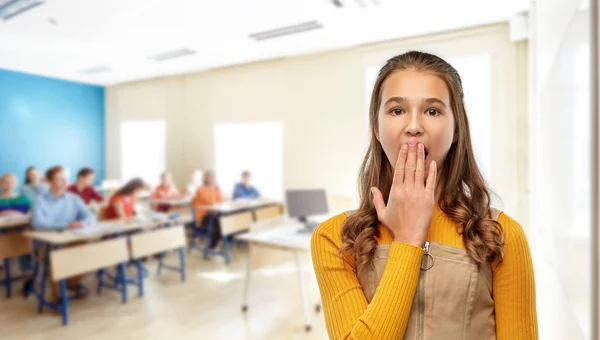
(559, 214)
(321, 101)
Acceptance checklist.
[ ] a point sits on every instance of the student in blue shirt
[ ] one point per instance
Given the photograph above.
(59, 210)
(244, 189)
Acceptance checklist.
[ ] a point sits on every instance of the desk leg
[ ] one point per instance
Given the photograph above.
(247, 283)
(123, 281)
(7, 278)
(140, 279)
(64, 302)
(100, 279)
(161, 258)
(36, 268)
(303, 292)
(182, 263)
(42, 297)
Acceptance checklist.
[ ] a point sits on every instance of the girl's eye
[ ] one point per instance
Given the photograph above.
(396, 111)
(433, 112)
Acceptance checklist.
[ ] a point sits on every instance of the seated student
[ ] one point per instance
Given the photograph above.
(60, 210)
(12, 204)
(244, 189)
(34, 185)
(122, 203)
(165, 189)
(208, 194)
(84, 186)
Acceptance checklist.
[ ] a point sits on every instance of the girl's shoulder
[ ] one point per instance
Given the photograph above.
(510, 227)
(330, 230)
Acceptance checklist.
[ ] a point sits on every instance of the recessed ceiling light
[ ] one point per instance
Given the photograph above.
(11, 8)
(287, 30)
(178, 53)
(95, 70)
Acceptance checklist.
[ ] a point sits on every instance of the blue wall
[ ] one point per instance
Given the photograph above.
(46, 122)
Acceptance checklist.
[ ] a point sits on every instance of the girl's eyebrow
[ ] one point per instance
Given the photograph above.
(401, 100)
(434, 101)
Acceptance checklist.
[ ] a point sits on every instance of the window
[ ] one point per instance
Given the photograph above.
(256, 147)
(142, 150)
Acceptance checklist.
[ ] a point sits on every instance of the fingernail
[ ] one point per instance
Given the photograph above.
(404, 147)
(420, 147)
(412, 141)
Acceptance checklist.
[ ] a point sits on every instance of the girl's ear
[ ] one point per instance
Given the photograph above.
(376, 132)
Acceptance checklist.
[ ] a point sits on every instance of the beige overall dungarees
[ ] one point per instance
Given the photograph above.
(454, 298)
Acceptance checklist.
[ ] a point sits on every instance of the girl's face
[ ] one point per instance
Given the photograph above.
(34, 176)
(137, 192)
(415, 105)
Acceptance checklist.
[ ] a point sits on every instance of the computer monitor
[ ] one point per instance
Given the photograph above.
(304, 203)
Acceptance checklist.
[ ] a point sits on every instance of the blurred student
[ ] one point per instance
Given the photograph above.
(59, 210)
(194, 183)
(122, 203)
(13, 204)
(34, 185)
(84, 187)
(165, 189)
(245, 189)
(206, 195)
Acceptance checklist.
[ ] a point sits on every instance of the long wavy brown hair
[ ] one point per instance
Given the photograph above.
(464, 195)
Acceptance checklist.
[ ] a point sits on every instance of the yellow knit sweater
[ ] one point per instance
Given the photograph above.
(349, 316)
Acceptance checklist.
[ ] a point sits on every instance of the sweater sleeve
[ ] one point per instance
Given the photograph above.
(514, 286)
(347, 313)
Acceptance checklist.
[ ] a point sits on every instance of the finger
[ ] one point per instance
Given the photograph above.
(431, 178)
(378, 201)
(399, 168)
(411, 162)
(419, 180)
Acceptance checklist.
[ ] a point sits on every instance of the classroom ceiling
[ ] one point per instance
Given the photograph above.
(107, 42)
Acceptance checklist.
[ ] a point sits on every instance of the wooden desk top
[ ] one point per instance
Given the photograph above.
(239, 205)
(14, 221)
(105, 228)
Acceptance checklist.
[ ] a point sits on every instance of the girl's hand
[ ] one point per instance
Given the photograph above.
(410, 204)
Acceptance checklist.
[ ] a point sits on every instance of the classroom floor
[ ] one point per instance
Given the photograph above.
(206, 306)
